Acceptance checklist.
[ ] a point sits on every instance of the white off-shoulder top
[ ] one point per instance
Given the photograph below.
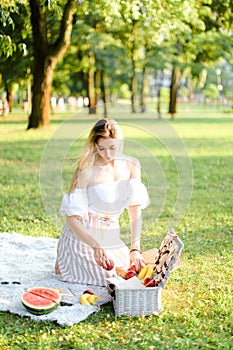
(109, 198)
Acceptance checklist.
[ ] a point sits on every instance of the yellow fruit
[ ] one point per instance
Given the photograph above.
(92, 299)
(149, 272)
(88, 299)
(84, 299)
(143, 272)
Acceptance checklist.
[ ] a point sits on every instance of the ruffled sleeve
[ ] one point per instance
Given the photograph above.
(75, 203)
(139, 194)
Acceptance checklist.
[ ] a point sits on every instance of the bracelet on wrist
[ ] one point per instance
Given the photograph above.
(135, 250)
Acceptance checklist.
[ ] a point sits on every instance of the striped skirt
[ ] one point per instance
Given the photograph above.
(75, 259)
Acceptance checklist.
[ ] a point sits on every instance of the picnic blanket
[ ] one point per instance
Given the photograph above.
(27, 262)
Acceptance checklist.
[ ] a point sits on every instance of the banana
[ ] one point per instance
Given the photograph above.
(84, 299)
(88, 299)
(143, 272)
(149, 272)
(92, 299)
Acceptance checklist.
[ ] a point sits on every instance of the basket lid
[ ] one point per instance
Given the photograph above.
(167, 257)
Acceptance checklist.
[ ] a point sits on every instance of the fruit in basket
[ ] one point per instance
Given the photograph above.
(41, 300)
(149, 272)
(130, 274)
(149, 282)
(132, 268)
(143, 272)
(121, 272)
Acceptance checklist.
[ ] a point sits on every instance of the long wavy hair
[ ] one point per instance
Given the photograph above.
(103, 128)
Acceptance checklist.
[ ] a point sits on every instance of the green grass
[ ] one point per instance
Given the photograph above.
(197, 299)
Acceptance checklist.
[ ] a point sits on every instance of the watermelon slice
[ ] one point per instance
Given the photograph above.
(41, 300)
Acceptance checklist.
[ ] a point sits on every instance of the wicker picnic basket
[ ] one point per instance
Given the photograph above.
(137, 302)
(144, 301)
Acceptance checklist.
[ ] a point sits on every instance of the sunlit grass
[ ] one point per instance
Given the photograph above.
(197, 299)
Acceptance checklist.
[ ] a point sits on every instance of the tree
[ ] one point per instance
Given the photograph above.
(98, 50)
(116, 42)
(46, 53)
(15, 61)
(199, 35)
(133, 16)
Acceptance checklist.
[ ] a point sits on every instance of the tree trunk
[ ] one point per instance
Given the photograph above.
(160, 77)
(84, 78)
(134, 91)
(159, 101)
(134, 80)
(97, 86)
(46, 57)
(173, 91)
(190, 89)
(9, 97)
(143, 91)
(41, 93)
(105, 93)
(91, 84)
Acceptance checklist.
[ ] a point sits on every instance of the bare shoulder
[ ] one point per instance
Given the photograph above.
(133, 165)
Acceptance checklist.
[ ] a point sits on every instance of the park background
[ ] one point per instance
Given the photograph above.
(131, 67)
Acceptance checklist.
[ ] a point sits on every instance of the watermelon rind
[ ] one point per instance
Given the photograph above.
(49, 294)
(41, 311)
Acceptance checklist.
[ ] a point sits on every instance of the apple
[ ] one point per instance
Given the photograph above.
(130, 274)
(146, 281)
(152, 283)
(109, 265)
(88, 291)
(149, 282)
(132, 268)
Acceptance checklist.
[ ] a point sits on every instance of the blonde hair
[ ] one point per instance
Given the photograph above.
(103, 128)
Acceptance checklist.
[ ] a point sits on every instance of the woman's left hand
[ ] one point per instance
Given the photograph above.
(137, 259)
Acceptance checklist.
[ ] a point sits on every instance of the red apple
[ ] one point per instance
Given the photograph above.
(88, 291)
(132, 268)
(130, 274)
(149, 282)
(152, 283)
(109, 264)
(146, 281)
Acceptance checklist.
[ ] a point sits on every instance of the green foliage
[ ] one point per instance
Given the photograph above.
(124, 91)
(211, 91)
(197, 298)
(12, 18)
(15, 60)
(125, 37)
(7, 47)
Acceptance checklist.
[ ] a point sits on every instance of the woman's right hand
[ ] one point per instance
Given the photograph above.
(102, 259)
(99, 253)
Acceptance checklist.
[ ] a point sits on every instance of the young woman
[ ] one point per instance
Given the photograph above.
(105, 183)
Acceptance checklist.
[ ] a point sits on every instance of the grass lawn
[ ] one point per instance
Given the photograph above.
(197, 299)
